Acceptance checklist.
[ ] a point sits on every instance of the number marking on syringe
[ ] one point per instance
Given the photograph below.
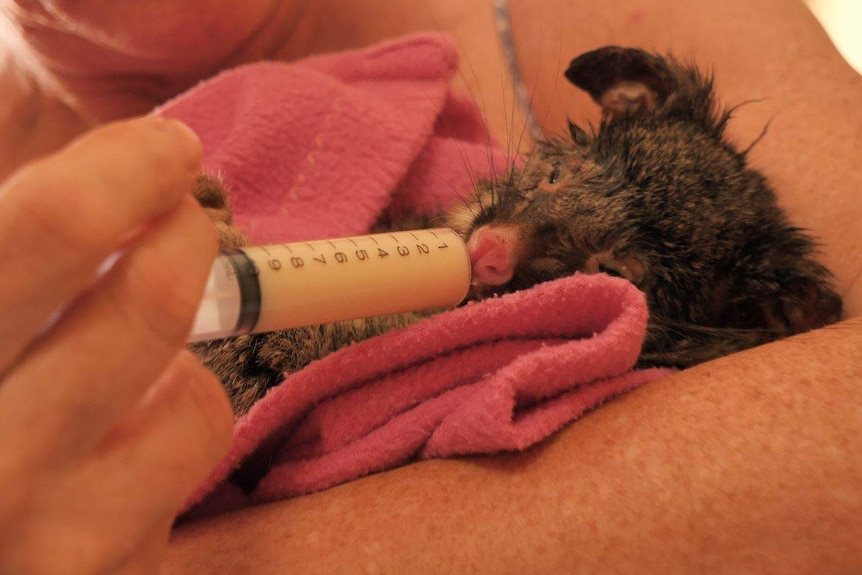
(322, 270)
(359, 254)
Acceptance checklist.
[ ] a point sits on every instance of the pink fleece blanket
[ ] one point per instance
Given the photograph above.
(321, 148)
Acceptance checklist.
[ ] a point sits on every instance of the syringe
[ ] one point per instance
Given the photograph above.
(266, 288)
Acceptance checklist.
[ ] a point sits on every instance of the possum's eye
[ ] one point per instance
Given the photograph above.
(630, 267)
(555, 176)
(610, 270)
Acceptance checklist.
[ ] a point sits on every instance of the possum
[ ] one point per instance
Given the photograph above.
(655, 193)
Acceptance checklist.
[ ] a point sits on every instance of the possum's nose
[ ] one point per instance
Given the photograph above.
(494, 253)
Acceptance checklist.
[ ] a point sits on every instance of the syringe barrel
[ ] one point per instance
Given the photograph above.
(267, 288)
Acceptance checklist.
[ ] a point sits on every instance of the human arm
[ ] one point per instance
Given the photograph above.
(749, 464)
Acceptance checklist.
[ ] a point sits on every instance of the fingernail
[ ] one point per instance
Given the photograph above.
(191, 142)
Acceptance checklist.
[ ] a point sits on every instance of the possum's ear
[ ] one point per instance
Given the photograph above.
(622, 81)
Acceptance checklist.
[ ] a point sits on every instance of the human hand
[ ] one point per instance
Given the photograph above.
(118, 59)
(106, 422)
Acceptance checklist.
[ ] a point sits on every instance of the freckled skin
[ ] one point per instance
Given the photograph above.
(655, 194)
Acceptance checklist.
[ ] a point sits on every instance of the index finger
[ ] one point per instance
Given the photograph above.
(61, 217)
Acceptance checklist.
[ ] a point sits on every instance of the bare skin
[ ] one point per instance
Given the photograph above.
(764, 480)
(746, 464)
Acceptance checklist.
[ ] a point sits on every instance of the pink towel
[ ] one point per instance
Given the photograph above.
(321, 148)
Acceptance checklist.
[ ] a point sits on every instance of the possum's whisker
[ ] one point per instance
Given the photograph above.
(522, 171)
(557, 77)
(495, 195)
(467, 165)
(687, 328)
(525, 128)
(464, 72)
(459, 194)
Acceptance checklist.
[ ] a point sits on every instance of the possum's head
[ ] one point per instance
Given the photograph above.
(656, 195)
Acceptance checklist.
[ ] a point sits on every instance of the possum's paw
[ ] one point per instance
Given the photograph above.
(212, 195)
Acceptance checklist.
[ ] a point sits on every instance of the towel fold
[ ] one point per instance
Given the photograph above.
(322, 148)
